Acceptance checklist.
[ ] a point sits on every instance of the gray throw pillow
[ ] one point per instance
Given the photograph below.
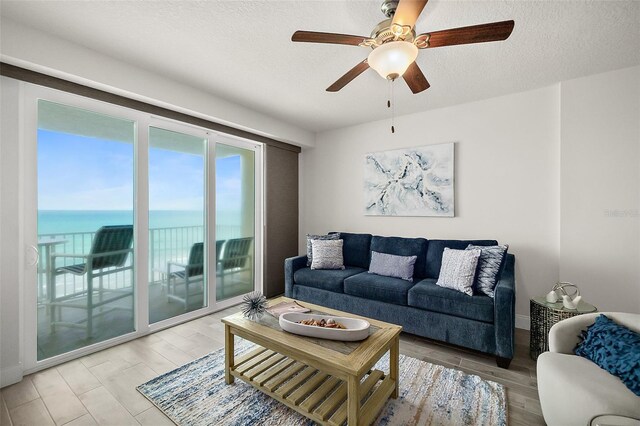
(489, 264)
(311, 237)
(458, 270)
(327, 254)
(391, 265)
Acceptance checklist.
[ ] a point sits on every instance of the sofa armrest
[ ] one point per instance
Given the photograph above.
(505, 310)
(565, 335)
(291, 265)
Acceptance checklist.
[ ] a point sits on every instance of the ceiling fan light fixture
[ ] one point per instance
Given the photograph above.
(392, 59)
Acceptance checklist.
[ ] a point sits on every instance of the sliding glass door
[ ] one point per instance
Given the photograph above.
(132, 224)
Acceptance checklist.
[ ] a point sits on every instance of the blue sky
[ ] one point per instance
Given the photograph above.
(82, 173)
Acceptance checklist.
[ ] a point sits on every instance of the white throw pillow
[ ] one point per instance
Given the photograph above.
(311, 237)
(458, 269)
(327, 254)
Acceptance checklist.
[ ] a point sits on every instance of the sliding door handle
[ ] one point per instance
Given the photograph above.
(32, 255)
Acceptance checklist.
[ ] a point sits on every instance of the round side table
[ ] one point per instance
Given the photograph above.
(543, 316)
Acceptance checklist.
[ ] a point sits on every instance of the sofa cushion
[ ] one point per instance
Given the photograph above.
(436, 248)
(356, 249)
(404, 247)
(377, 287)
(427, 295)
(325, 279)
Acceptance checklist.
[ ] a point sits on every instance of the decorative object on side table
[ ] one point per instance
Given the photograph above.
(254, 305)
(545, 314)
(559, 293)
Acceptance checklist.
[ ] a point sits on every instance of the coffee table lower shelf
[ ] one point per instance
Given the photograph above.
(314, 394)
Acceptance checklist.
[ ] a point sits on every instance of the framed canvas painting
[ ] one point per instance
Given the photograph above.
(410, 182)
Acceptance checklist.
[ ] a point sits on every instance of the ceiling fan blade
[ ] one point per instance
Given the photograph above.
(350, 75)
(332, 38)
(407, 12)
(483, 33)
(415, 79)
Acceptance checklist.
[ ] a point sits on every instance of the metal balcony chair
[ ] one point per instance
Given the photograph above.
(109, 252)
(188, 274)
(179, 274)
(236, 257)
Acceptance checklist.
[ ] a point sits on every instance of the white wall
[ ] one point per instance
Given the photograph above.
(506, 179)
(600, 188)
(33, 49)
(514, 156)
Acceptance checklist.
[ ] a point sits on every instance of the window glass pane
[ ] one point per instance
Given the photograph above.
(85, 228)
(235, 221)
(177, 280)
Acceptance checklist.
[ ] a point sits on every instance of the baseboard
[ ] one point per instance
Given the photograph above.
(523, 322)
(10, 375)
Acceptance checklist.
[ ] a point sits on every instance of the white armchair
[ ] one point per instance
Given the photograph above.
(574, 390)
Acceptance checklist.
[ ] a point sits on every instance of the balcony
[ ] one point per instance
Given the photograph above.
(63, 297)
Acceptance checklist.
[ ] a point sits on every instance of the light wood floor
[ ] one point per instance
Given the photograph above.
(100, 388)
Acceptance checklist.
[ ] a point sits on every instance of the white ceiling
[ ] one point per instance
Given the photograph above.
(241, 50)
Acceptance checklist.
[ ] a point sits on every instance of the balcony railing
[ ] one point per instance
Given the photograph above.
(165, 244)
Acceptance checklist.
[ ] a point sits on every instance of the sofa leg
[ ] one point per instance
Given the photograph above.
(503, 362)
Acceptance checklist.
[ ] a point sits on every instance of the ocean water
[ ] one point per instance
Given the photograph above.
(168, 244)
(70, 221)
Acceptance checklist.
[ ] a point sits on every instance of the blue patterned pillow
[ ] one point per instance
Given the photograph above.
(391, 265)
(489, 265)
(615, 348)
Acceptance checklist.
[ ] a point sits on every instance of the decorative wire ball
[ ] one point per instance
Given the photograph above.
(254, 305)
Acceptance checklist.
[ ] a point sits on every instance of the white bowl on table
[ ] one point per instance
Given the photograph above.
(355, 329)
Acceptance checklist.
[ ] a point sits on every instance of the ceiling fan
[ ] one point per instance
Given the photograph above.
(395, 43)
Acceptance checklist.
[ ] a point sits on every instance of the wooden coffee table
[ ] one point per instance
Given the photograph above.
(320, 379)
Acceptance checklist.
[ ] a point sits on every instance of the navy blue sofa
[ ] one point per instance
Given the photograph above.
(421, 307)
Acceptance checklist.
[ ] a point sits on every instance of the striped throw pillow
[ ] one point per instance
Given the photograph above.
(489, 264)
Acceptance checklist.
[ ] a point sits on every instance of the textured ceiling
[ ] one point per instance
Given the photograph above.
(241, 50)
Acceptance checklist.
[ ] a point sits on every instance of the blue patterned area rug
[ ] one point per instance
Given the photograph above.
(196, 394)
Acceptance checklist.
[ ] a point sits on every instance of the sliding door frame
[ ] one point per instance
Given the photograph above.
(28, 190)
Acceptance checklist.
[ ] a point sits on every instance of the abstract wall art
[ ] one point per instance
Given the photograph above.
(410, 182)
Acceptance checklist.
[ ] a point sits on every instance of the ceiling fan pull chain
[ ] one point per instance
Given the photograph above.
(392, 103)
